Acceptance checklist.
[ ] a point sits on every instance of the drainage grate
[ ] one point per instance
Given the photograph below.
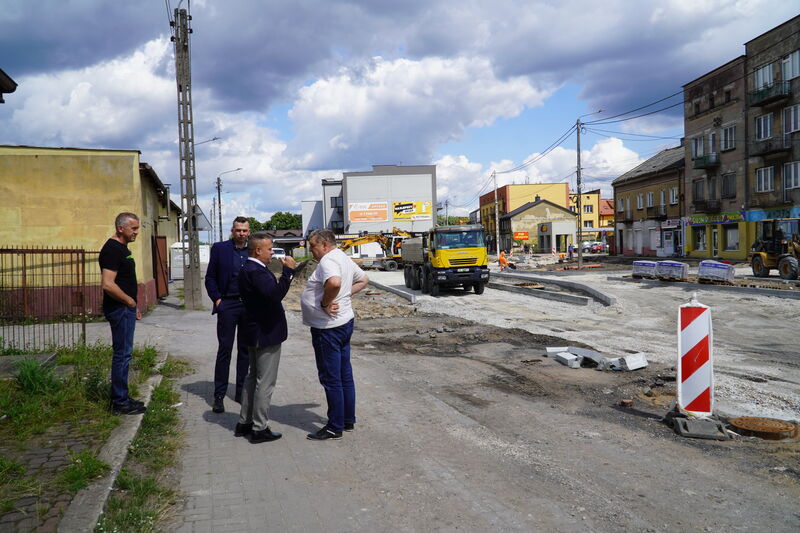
(765, 428)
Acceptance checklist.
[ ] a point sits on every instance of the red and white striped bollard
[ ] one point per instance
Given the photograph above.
(695, 359)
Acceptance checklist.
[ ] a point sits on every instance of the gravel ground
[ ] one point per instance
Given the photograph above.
(757, 366)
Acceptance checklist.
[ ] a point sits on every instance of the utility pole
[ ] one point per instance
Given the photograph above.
(191, 243)
(219, 197)
(496, 216)
(580, 214)
(447, 212)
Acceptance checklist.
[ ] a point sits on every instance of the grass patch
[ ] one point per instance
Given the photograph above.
(14, 484)
(174, 367)
(143, 492)
(84, 468)
(8, 351)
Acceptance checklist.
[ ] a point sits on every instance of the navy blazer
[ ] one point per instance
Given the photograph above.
(261, 292)
(223, 264)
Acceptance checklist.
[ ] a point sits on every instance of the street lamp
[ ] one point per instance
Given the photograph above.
(207, 141)
(219, 196)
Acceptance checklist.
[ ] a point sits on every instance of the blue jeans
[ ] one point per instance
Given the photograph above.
(332, 350)
(123, 323)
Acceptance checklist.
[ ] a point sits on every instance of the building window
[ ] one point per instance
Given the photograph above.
(673, 195)
(790, 66)
(621, 205)
(791, 119)
(337, 201)
(763, 76)
(764, 127)
(729, 185)
(791, 175)
(650, 196)
(697, 147)
(588, 209)
(662, 197)
(712, 142)
(712, 187)
(765, 176)
(698, 190)
(731, 237)
(728, 138)
(696, 107)
(628, 203)
(727, 95)
(699, 235)
(640, 201)
(710, 101)
(588, 224)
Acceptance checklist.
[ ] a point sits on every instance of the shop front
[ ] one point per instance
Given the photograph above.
(720, 235)
(671, 239)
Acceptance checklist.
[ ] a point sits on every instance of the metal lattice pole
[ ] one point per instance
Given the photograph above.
(191, 243)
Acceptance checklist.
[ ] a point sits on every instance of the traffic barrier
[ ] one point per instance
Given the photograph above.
(695, 359)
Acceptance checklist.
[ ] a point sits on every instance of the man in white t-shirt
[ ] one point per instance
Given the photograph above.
(327, 309)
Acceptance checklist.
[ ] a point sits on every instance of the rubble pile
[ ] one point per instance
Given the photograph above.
(575, 357)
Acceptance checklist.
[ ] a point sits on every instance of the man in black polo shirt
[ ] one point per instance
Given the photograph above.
(118, 280)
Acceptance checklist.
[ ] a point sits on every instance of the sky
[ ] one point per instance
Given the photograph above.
(301, 90)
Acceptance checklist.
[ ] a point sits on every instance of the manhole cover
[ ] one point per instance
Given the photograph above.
(765, 428)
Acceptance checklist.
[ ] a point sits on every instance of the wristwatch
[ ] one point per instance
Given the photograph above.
(322, 305)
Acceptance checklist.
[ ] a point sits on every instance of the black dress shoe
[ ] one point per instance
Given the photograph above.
(349, 427)
(219, 406)
(128, 409)
(243, 430)
(264, 435)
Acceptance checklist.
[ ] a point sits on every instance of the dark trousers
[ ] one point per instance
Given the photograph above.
(332, 351)
(230, 314)
(123, 323)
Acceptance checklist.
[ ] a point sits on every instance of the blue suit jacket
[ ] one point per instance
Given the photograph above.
(223, 263)
(264, 318)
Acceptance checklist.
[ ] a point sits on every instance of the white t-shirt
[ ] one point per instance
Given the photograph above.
(334, 263)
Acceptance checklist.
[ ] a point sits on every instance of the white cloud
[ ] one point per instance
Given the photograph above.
(399, 111)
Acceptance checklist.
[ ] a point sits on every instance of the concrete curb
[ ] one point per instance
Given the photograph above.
(538, 293)
(411, 297)
(86, 507)
(593, 293)
(792, 295)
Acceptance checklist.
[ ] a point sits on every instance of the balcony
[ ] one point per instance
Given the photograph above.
(625, 216)
(706, 161)
(657, 212)
(707, 206)
(779, 90)
(781, 144)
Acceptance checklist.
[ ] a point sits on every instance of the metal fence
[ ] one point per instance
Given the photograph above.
(46, 296)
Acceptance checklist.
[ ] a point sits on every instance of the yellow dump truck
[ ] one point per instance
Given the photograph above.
(446, 256)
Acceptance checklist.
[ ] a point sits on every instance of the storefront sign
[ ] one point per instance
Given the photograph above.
(368, 212)
(543, 228)
(418, 210)
(766, 214)
(521, 235)
(671, 223)
(716, 218)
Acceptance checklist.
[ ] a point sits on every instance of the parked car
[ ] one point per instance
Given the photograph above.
(586, 246)
(597, 247)
(279, 253)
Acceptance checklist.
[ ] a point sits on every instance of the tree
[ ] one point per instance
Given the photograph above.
(284, 220)
(255, 225)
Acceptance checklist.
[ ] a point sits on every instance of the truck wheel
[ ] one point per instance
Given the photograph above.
(390, 265)
(759, 270)
(413, 274)
(424, 280)
(434, 287)
(479, 286)
(787, 268)
(406, 278)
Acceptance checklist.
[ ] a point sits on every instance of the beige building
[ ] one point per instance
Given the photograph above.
(69, 197)
(541, 224)
(590, 213)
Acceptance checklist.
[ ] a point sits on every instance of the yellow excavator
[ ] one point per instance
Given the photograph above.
(391, 243)
(777, 246)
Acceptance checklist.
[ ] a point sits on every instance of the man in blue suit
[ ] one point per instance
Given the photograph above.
(227, 259)
(264, 330)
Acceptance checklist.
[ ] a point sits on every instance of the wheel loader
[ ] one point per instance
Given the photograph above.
(777, 246)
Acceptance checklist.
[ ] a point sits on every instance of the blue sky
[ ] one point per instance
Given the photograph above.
(303, 90)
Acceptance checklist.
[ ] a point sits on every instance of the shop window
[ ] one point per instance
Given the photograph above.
(699, 237)
(731, 237)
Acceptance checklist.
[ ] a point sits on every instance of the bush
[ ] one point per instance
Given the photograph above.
(35, 379)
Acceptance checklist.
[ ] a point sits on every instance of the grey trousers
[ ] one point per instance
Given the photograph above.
(259, 384)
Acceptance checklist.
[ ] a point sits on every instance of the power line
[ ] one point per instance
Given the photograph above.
(541, 156)
(594, 130)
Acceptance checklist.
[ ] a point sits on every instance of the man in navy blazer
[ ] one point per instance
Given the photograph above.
(264, 330)
(227, 259)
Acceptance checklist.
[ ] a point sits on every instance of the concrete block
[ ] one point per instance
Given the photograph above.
(634, 361)
(569, 359)
(551, 351)
(612, 363)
